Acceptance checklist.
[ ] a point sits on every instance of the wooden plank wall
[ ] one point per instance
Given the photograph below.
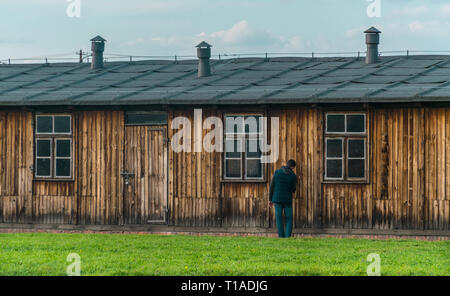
(95, 194)
(16, 161)
(409, 175)
(194, 181)
(145, 156)
(409, 184)
(100, 151)
(196, 178)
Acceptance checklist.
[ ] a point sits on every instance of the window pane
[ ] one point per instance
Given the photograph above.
(355, 148)
(62, 124)
(355, 123)
(252, 124)
(234, 124)
(334, 147)
(233, 168)
(63, 167)
(356, 168)
(253, 149)
(254, 168)
(233, 148)
(43, 167)
(63, 148)
(335, 123)
(44, 124)
(334, 168)
(43, 148)
(148, 118)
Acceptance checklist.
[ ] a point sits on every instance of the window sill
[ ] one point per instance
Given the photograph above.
(345, 182)
(242, 181)
(53, 180)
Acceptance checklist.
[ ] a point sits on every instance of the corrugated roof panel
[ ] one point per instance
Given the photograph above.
(416, 63)
(228, 66)
(279, 82)
(400, 71)
(376, 79)
(353, 90)
(43, 84)
(29, 78)
(45, 71)
(439, 91)
(135, 84)
(93, 84)
(403, 90)
(361, 64)
(235, 81)
(302, 91)
(331, 79)
(351, 72)
(9, 85)
(166, 76)
(69, 77)
(6, 71)
(226, 82)
(302, 74)
(430, 79)
(178, 68)
(441, 71)
(277, 66)
(256, 75)
(114, 76)
(329, 65)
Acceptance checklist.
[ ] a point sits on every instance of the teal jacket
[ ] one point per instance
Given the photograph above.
(283, 184)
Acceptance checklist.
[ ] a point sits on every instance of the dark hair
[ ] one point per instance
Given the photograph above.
(291, 163)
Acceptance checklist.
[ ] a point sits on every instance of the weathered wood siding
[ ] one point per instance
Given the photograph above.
(100, 161)
(409, 188)
(409, 168)
(16, 161)
(145, 197)
(94, 197)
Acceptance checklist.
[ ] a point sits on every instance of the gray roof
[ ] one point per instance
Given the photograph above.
(234, 81)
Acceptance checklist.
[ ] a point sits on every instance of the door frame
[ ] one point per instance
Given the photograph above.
(166, 211)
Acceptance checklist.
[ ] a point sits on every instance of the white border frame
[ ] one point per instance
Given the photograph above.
(335, 158)
(53, 116)
(345, 123)
(360, 158)
(40, 157)
(233, 138)
(69, 158)
(239, 136)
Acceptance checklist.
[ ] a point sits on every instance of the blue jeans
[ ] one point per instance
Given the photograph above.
(287, 208)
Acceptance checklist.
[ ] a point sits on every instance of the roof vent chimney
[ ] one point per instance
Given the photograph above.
(98, 47)
(204, 54)
(372, 41)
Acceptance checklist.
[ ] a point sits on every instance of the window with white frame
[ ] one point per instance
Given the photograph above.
(346, 147)
(242, 155)
(53, 146)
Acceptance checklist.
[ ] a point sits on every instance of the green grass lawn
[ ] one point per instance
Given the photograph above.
(118, 254)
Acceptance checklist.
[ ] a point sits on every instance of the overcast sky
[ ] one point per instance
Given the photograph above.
(30, 28)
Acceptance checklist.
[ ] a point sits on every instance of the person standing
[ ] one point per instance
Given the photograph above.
(283, 184)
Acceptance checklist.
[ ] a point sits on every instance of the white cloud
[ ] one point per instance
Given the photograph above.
(414, 11)
(445, 10)
(242, 33)
(434, 27)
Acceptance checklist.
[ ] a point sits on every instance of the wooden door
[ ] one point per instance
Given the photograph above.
(145, 175)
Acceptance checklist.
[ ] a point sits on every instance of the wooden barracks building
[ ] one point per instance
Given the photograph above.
(88, 145)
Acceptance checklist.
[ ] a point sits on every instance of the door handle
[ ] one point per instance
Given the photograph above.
(126, 176)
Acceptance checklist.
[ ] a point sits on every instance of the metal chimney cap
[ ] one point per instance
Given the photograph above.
(204, 44)
(98, 38)
(372, 30)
